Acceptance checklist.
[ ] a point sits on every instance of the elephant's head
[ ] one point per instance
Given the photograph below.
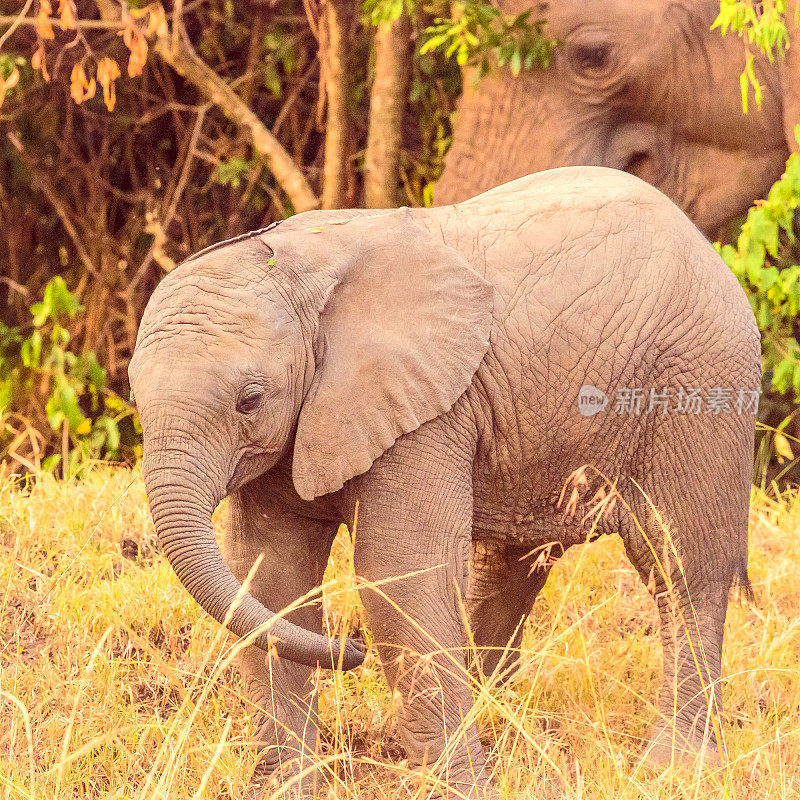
(641, 86)
(318, 342)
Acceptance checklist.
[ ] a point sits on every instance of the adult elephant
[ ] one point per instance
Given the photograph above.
(646, 87)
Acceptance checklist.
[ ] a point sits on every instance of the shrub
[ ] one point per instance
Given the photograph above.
(41, 376)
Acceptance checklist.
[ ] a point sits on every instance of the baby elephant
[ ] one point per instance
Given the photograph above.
(560, 357)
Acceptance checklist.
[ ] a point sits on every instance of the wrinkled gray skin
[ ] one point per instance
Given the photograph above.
(642, 86)
(426, 365)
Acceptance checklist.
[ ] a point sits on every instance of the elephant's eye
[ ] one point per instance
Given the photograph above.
(249, 399)
(592, 58)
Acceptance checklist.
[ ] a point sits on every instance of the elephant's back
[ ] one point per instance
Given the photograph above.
(575, 186)
(600, 279)
(559, 236)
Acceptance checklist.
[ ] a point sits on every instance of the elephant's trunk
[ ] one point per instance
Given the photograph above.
(181, 507)
(506, 129)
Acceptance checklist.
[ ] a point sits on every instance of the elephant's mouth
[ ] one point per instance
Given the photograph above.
(713, 184)
(639, 164)
(250, 466)
(630, 147)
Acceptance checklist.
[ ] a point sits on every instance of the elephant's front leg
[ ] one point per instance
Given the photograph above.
(283, 695)
(412, 540)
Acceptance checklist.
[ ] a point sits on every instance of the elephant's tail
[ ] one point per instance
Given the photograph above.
(742, 581)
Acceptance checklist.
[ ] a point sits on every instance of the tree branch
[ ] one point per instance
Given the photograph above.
(15, 22)
(178, 52)
(97, 24)
(185, 61)
(288, 175)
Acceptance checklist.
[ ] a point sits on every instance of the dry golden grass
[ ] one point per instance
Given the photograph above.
(114, 685)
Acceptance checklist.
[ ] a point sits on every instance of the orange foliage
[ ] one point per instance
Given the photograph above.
(67, 18)
(38, 62)
(137, 44)
(44, 23)
(8, 83)
(81, 88)
(107, 73)
(157, 20)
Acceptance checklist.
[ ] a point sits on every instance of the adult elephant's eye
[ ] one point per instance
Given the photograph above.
(592, 57)
(249, 399)
(588, 57)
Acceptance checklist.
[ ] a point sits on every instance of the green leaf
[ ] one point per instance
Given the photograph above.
(6, 393)
(57, 301)
(51, 462)
(769, 277)
(272, 83)
(59, 336)
(87, 370)
(110, 433)
(782, 374)
(31, 351)
(55, 416)
(232, 171)
(40, 314)
(480, 35)
(63, 405)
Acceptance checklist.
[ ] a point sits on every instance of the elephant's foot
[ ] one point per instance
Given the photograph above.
(668, 748)
(437, 788)
(292, 780)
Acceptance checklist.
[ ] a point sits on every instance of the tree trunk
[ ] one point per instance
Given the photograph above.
(386, 109)
(333, 60)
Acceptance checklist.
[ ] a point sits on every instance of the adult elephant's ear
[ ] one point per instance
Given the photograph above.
(404, 326)
(790, 75)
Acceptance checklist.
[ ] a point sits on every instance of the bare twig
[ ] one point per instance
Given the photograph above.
(178, 52)
(288, 175)
(17, 21)
(288, 104)
(159, 228)
(43, 185)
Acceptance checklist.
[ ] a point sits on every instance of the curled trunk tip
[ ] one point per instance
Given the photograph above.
(186, 536)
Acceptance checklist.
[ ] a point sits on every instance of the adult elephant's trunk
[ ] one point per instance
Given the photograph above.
(506, 128)
(181, 507)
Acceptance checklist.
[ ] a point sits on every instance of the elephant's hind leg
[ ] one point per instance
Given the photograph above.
(504, 581)
(694, 513)
(283, 695)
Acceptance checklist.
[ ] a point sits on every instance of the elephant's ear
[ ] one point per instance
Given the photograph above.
(404, 327)
(790, 75)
